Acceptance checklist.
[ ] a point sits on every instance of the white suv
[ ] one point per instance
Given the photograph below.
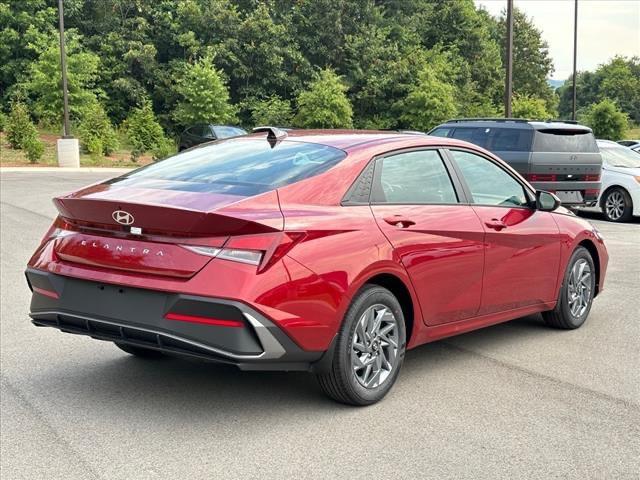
(620, 194)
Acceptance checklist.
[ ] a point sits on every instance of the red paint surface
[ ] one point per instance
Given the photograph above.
(460, 273)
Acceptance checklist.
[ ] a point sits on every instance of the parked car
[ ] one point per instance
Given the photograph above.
(197, 134)
(620, 198)
(560, 157)
(629, 143)
(635, 148)
(325, 251)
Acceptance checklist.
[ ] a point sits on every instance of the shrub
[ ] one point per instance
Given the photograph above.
(19, 126)
(606, 120)
(33, 148)
(3, 121)
(325, 104)
(163, 149)
(145, 134)
(533, 108)
(97, 135)
(271, 111)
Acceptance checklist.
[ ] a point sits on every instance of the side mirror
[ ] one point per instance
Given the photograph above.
(546, 201)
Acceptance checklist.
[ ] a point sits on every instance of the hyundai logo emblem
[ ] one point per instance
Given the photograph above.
(122, 217)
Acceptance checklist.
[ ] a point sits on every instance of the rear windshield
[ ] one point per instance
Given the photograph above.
(564, 140)
(494, 138)
(239, 166)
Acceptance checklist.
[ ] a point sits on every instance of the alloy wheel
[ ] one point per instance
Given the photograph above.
(374, 346)
(579, 289)
(614, 205)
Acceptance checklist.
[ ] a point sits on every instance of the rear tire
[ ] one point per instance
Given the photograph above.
(369, 349)
(139, 352)
(576, 294)
(617, 205)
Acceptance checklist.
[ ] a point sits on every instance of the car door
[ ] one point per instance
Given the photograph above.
(522, 254)
(435, 234)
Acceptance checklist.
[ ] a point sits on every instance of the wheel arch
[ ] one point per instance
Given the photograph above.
(401, 291)
(593, 251)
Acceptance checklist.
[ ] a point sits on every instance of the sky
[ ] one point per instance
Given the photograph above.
(605, 28)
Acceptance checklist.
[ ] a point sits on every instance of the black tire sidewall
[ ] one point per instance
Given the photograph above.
(368, 296)
(571, 320)
(628, 207)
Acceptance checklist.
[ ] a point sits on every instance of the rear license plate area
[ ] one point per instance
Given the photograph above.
(570, 196)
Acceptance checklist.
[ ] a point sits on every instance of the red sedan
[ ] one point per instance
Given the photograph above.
(326, 251)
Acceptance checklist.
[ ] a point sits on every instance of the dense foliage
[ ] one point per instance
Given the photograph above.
(22, 133)
(145, 133)
(606, 120)
(396, 64)
(97, 135)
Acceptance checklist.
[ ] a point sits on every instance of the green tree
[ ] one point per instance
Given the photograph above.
(525, 106)
(96, 133)
(204, 97)
(19, 126)
(325, 103)
(271, 111)
(430, 102)
(606, 120)
(43, 84)
(145, 133)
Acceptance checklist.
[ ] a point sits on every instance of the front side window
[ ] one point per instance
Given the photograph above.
(489, 184)
(414, 178)
(476, 135)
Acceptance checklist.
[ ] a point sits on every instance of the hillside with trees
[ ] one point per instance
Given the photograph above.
(330, 63)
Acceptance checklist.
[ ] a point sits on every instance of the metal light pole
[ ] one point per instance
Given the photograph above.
(575, 57)
(68, 148)
(63, 67)
(509, 80)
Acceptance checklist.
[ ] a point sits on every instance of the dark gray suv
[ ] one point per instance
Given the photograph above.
(556, 156)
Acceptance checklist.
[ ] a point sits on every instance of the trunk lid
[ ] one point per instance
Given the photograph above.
(141, 228)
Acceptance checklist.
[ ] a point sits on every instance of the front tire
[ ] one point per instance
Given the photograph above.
(576, 293)
(369, 349)
(617, 205)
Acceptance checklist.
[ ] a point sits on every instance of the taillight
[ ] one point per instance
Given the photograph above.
(59, 228)
(594, 177)
(260, 250)
(540, 177)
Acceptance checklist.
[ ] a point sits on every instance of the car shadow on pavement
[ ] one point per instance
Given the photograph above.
(195, 389)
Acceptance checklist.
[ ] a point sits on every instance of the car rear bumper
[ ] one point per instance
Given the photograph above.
(216, 329)
(586, 192)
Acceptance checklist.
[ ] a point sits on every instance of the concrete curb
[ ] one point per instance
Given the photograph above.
(64, 170)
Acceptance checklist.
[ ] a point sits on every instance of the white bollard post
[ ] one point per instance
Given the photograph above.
(68, 152)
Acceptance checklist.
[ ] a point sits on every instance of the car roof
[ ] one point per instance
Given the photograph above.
(516, 123)
(353, 139)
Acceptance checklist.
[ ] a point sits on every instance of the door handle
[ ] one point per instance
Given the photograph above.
(399, 221)
(495, 224)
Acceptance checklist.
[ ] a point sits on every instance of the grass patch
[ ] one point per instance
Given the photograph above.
(633, 133)
(16, 158)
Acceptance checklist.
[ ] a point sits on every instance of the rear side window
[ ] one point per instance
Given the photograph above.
(511, 140)
(413, 178)
(564, 140)
(440, 132)
(476, 135)
(238, 167)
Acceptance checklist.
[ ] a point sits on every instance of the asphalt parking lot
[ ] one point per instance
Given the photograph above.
(517, 400)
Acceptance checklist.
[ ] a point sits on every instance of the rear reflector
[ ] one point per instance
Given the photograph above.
(538, 177)
(46, 293)
(179, 317)
(592, 177)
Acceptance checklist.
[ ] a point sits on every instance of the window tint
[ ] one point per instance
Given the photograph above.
(477, 135)
(489, 184)
(239, 166)
(440, 132)
(564, 140)
(511, 140)
(225, 132)
(414, 178)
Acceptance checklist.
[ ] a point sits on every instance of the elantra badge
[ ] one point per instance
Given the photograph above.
(122, 217)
